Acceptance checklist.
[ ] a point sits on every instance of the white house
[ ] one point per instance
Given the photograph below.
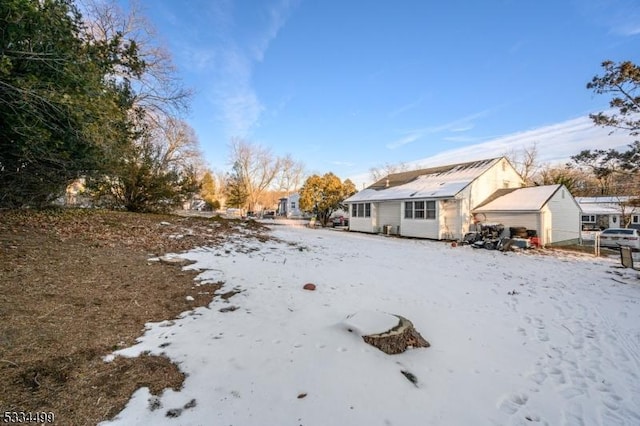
(550, 210)
(289, 206)
(609, 212)
(432, 203)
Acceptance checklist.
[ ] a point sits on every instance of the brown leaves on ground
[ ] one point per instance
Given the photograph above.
(76, 285)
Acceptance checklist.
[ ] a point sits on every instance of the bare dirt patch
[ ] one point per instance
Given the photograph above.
(76, 285)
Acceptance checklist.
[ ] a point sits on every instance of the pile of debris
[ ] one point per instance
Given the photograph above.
(491, 237)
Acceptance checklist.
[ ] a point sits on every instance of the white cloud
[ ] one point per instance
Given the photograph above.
(404, 108)
(630, 30)
(555, 143)
(412, 137)
(235, 96)
(458, 125)
(621, 17)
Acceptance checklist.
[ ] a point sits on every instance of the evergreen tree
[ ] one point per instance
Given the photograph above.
(236, 188)
(60, 114)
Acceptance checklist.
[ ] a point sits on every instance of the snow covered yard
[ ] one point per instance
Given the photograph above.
(516, 338)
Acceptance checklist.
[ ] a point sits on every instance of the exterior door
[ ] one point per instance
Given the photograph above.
(614, 221)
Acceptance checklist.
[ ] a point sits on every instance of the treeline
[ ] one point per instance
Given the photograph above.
(90, 96)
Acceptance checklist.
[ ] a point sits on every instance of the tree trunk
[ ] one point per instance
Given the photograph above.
(398, 339)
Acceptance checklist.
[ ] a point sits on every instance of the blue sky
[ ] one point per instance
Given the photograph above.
(346, 85)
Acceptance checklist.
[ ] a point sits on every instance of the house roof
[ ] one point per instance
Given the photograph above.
(606, 205)
(519, 199)
(608, 199)
(435, 182)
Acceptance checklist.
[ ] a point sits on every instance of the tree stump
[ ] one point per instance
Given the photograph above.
(398, 339)
(390, 333)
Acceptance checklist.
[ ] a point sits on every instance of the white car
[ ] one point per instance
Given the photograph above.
(616, 237)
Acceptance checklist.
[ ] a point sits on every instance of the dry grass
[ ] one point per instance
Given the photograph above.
(76, 285)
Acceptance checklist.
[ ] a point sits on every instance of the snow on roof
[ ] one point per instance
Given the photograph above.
(602, 208)
(440, 182)
(616, 199)
(521, 199)
(607, 204)
(608, 208)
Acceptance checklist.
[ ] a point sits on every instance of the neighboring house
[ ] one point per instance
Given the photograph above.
(608, 212)
(434, 203)
(75, 195)
(550, 210)
(289, 206)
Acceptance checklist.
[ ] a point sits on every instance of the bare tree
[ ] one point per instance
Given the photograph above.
(378, 172)
(290, 176)
(525, 161)
(578, 182)
(157, 90)
(179, 145)
(256, 165)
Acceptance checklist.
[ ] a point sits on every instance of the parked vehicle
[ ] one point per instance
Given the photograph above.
(269, 214)
(616, 237)
(340, 221)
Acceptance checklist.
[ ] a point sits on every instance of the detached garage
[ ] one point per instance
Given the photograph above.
(550, 210)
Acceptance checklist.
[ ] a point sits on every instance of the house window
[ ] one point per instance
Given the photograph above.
(420, 210)
(293, 205)
(408, 210)
(588, 218)
(635, 219)
(361, 210)
(431, 210)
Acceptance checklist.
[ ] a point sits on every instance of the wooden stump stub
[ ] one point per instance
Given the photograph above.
(398, 339)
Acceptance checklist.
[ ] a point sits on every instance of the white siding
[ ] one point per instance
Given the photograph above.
(450, 219)
(420, 228)
(530, 220)
(464, 210)
(363, 224)
(389, 214)
(564, 218)
(501, 175)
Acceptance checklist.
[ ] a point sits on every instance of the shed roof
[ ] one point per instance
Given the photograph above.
(519, 199)
(435, 182)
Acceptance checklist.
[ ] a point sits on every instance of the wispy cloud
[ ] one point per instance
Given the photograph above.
(624, 17)
(458, 125)
(239, 107)
(412, 137)
(407, 107)
(621, 17)
(278, 15)
(555, 144)
(630, 29)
